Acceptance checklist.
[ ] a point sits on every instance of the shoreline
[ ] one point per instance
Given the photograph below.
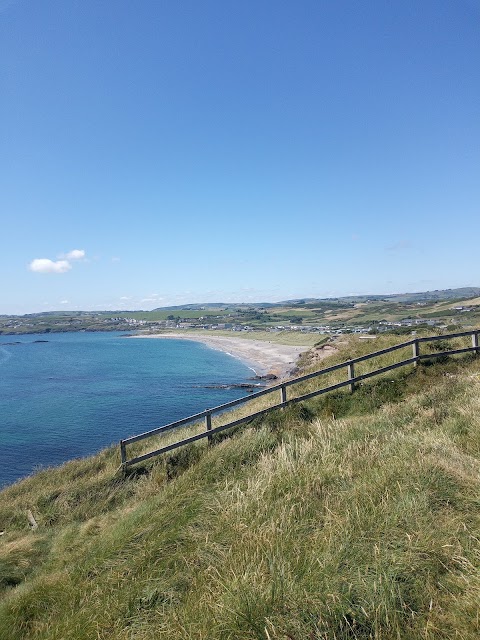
(261, 356)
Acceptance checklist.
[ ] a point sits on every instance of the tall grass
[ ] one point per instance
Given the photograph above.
(354, 519)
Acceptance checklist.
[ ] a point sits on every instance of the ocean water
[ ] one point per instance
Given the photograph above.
(80, 392)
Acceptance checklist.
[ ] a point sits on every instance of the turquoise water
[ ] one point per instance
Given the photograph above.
(80, 392)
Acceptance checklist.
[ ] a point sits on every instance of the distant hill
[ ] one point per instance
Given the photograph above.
(437, 294)
(218, 305)
(443, 294)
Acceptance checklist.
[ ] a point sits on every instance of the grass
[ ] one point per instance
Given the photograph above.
(292, 338)
(153, 316)
(353, 516)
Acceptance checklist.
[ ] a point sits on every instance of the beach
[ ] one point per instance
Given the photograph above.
(260, 355)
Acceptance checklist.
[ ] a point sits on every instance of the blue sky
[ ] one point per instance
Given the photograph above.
(192, 151)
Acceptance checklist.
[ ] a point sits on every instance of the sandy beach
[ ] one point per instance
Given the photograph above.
(261, 356)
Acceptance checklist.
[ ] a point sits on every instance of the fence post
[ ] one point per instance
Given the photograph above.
(416, 351)
(351, 375)
(475, 342)
(123, 455)
(283, 392)
(208, 425)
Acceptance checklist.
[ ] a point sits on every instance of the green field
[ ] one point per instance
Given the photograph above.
(293, 338)
(338, 313)
(164, 315)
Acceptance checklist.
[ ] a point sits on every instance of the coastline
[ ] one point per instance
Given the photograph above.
(261, 356)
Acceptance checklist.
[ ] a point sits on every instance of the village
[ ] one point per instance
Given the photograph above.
(324, 317)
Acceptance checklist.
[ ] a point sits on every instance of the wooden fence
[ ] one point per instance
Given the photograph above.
(281, 388)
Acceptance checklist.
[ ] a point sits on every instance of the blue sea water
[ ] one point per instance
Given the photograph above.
(79, 392)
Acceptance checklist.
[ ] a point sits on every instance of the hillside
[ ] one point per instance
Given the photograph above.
(448, 307)
(351, 516)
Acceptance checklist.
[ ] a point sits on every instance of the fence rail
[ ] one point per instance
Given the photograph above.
(351, 381)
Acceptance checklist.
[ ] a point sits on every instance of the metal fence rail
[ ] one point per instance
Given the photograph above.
(351, 381)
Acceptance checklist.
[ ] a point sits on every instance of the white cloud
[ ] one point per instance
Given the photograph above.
(45, 265)
(124, 298)
(62, 265)
(75, 254)
(64, 301)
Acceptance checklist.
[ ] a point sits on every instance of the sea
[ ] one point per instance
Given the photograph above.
(68, 395)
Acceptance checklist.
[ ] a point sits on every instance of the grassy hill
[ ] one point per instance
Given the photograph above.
(352, 516)
(454, 307)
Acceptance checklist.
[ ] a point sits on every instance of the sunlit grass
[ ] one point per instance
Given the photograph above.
(354, 516)
(291, 338)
